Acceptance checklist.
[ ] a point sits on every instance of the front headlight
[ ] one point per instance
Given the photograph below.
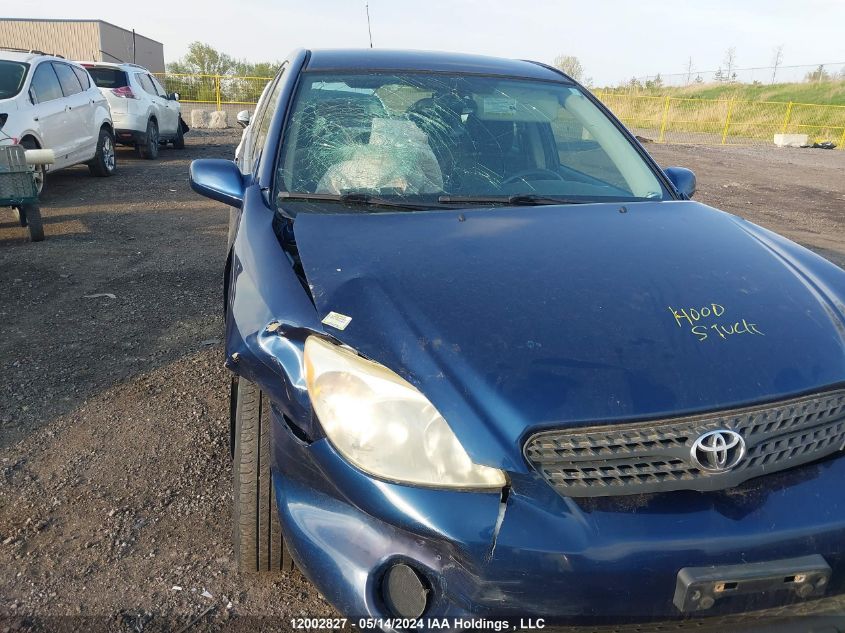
(383, 425)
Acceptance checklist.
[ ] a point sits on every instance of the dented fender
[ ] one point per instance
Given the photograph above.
(268, 313)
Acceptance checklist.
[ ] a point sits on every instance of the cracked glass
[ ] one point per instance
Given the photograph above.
(438, 138)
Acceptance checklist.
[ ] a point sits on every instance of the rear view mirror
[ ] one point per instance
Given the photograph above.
(244, 117)
(683, 179)
(217, 179)
(173, 96)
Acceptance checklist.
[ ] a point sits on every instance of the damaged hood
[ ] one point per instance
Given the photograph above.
(512, 320)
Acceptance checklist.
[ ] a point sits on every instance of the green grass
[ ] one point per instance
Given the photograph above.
(822, 93)
(733, 113)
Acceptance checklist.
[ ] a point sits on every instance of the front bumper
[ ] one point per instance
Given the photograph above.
(535, 554)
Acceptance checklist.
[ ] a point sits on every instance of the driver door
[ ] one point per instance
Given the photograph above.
(168, 109)
(49, 114)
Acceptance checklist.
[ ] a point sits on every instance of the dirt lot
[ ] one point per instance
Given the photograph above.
(113, 415)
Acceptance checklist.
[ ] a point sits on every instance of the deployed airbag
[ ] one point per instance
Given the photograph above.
(398, 157)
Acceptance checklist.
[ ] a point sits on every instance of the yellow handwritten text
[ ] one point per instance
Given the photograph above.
(692, 315)
(700, 322)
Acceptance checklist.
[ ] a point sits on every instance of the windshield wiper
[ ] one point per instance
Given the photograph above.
(356, 198)
(519, 199)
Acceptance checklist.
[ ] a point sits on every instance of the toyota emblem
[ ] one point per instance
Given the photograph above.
(718, 451)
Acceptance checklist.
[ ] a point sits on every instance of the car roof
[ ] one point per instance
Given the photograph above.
(431, 61)
(14, 55)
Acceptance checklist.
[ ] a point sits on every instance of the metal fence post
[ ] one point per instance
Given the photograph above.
(786, 118)
(217, 91)
(842, 140)
(665, 121)
(727, 121)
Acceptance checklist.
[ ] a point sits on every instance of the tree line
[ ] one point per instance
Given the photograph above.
(242, 80)
(206, 74)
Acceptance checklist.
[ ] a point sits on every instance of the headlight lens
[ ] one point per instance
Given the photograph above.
(384, 425)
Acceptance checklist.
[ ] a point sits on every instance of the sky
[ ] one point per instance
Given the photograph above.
(613, 39)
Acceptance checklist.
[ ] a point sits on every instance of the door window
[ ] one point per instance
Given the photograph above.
(146, 83)
(158, 87)
(45, 84)
(83, 77)
(266, 116)
(68, 80)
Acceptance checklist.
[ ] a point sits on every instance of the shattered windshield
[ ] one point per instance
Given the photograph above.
(432, 138)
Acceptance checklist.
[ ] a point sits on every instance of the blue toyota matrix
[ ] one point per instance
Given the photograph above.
(491, 361)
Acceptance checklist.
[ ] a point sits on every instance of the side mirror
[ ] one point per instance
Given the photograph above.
(217, 179)
(173, 96)
(244, 117)
(683, 179)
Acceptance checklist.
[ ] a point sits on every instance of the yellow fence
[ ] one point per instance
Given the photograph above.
(215, 90)
(662, 119)
(666, 119)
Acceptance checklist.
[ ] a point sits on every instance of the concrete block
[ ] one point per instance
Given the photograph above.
(791, 140)
(218, 120)
(199, 119)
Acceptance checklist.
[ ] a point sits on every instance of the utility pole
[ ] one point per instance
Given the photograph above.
(689, 70)
(730, 62)
(776, 60)
(369, 29)
(134, 60)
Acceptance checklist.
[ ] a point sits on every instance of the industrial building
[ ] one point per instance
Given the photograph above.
(83, 40)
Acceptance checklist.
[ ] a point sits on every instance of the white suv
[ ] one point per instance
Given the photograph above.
(50, 103)
(144, 114)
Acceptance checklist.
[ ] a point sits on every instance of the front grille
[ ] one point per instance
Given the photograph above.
(657, 456)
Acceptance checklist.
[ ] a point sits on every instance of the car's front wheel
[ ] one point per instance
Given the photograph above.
(179, 141)
(40, 170)
(259, 544)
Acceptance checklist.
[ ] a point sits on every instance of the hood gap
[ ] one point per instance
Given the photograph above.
(283, 228)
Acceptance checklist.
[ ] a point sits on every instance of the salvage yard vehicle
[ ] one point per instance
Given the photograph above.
(47, 102)
(243, 118)
(491, 361)
(145, 114)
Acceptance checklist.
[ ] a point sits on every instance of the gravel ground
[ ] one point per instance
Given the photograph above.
(114, 503)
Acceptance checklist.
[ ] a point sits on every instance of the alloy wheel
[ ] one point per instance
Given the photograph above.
(108, 153)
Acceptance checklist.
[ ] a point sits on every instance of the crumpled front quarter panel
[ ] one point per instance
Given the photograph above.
(265, 290)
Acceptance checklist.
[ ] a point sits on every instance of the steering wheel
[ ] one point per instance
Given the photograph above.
(534, 171)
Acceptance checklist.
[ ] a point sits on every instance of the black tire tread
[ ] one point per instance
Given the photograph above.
(148, 150)
(179, 140)
(259, 544)
(33, 221)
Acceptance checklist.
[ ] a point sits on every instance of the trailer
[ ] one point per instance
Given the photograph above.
(18, 189)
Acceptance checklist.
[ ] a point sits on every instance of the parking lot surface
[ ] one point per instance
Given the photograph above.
(115, 494)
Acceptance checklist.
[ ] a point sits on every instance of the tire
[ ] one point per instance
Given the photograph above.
(149, 149)
(32, 214)
(40, 170)
(258, 540)
(20, 216)
(179, 141)
(104, 162)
